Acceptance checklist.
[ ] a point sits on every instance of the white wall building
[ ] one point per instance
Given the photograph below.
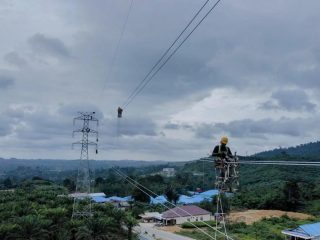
(168, 172)
(188, 213)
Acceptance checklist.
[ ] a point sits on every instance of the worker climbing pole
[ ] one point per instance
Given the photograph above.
(226, 169)
(120, 110)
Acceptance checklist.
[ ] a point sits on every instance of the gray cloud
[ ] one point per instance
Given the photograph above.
(32, 124)
(128, 127)
(296, 127)
(172, 126)
(13, 58)
(5, 126)
(6, 81)
(290, 100)
(252, 47)
(175, 126)
(42, 44)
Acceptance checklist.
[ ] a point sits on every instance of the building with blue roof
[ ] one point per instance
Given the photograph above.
(99, 199)
(158, 200)
(307, 231)
(198, 197)
(210, 193)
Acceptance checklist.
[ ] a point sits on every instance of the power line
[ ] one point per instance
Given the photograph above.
(165, 53)
(283, 163)
(116, 51)
(137, 183)
(145, 81)
(142, 190)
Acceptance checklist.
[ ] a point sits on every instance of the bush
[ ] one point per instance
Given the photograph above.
(198, 224)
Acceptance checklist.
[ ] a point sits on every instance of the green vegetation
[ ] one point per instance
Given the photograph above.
(30, 208)
(263, 230)
(198, 224)
(35, 211)
(308, 150)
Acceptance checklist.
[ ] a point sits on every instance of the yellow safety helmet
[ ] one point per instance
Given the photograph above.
(224, 140)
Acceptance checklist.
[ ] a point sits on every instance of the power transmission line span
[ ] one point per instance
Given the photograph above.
(281, 163)
(117, 48)
(166, 56)
(145, 190)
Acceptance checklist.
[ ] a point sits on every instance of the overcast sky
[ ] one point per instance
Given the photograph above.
(250, 71)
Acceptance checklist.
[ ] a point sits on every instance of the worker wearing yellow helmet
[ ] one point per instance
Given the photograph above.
(222, 150)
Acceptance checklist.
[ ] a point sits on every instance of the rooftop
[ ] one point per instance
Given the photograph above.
(184, 211)
(307, 231)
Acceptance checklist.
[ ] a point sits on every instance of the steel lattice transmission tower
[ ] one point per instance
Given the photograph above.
(82, 200)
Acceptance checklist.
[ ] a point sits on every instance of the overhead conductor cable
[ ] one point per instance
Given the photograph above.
(116, 50)
(157, 67)
(137, 184)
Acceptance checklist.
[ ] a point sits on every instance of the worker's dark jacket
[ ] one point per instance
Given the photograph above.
(221, 151)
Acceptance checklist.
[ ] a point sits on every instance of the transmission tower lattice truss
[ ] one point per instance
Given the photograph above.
(82, 199)
(227, 174)
(227, 180)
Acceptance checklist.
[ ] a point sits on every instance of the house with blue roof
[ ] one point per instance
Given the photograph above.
(99, 199)
(158, 200)
(307, 231)
(118, 202)
(185, 200)
(198, 197)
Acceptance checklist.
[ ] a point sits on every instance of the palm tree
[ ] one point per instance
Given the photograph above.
(30, 227)
(130, 222)
(97, 228)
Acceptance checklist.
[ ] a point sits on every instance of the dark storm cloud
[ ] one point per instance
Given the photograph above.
(51, 46)
(14, 58)
(296, 127)
(6, 81)
(290, 100)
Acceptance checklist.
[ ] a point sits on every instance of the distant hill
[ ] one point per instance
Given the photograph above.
(62, 165)
(307, 150)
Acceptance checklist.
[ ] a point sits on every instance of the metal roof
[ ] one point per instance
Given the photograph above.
(296, 234)
(312, 229)
(158, 200)
(184, 211)
(306, 231)
(99, 199)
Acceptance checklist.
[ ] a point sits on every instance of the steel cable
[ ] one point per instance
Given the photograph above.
(145, 81)
(137, 183)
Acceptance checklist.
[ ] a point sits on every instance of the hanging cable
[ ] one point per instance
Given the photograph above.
(137, 183)
(283, 163)
(165, 53)
(150, 76)
(142, 190)
(116, 51)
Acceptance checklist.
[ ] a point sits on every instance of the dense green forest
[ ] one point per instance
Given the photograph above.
(35, 211)
(307, 150)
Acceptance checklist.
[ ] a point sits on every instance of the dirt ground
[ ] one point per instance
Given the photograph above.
(251, 216)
